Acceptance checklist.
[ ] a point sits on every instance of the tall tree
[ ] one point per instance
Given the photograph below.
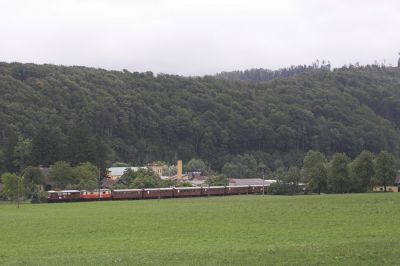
(196, 165)
(86, 176)
(241, 166)
(315, 170)
(146, 179)
(33, 176)
(362, 171)
(13, 186)
(385, 169)
(293, 178)
(61, 175)
(338, 173)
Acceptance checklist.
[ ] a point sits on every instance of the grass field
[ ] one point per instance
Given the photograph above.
(361, 229)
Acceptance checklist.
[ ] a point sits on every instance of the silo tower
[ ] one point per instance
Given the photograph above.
(398, 62)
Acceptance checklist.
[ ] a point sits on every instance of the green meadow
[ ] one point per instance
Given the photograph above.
(358, 229)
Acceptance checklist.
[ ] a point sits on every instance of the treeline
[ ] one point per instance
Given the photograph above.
(75, 114)
(261, 74)
(31, 182)
(340, 174)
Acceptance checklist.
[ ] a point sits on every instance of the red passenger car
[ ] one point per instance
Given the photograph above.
(157, 193)
(236, 190)
(213, 191)
(187, 191)
(63, 196)
(120, 194)
(105, 194)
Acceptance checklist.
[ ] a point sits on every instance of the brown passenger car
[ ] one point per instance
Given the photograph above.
(121, 194)
(236, 190)
(187, 191)
(213, 191)
(155, 193)
(257, 189)
(63, 196)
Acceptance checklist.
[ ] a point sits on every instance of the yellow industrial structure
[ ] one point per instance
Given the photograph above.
(179, 169)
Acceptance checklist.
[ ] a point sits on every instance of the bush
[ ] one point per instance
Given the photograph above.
(275, 189)
(42, 196)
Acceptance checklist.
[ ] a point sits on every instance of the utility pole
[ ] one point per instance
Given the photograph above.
(17, 192)
(19, 179)
(99, 185)
(263, 181)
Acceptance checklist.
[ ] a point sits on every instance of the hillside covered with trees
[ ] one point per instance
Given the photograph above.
(50, 113)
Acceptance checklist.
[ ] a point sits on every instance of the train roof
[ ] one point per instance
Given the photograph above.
(156, 189)
(127, 189)
(183, 188)
(94, 190)
(59, 191)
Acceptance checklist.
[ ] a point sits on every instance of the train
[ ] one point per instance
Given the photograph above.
(151, 193)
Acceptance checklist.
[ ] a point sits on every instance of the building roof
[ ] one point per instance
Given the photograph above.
(250, 182)
(119, 171)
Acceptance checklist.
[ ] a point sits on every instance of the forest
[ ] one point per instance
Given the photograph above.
(76, 114)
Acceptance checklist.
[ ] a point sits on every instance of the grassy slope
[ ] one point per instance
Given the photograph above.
(313, 230)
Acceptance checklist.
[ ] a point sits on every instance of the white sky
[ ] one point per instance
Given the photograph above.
(200, 36)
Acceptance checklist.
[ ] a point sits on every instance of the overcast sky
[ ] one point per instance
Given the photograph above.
(198, 37)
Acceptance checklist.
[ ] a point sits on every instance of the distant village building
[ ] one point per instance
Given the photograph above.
(250, 182)
(395, 188)
(157, 168)
(197, 181)
(388, 189)
(116, 172)
(192, 175)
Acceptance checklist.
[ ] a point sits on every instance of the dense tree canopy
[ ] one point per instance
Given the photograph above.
(13, 186)
(385, 170)
(338, 174)
(315, 171)
(76, 114)
(362, 171)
